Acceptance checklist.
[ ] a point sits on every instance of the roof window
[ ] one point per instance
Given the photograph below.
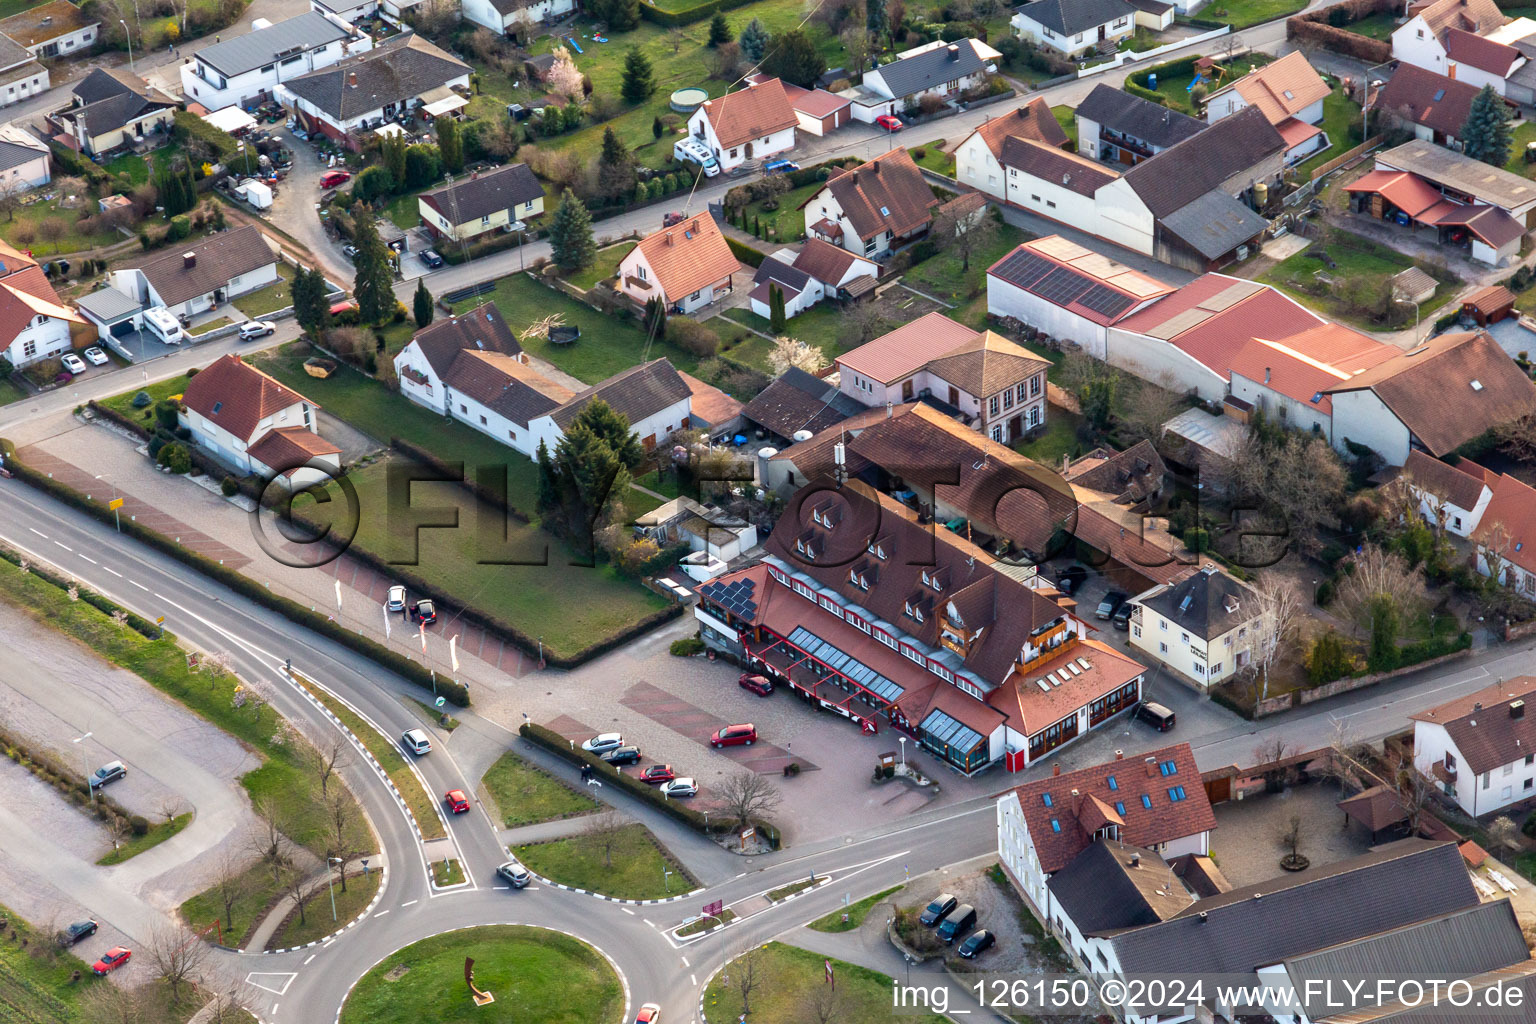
(1113, 783)
(1146, 801)
(1120, 807)
(1289, 95)
(216, 407)
(885, 211)
(1477, 385)
(1169, 768)
(1439, 95)
(1176, 794)
(1046, 798)
(1055, 825)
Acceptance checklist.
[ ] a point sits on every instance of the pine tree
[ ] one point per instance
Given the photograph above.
(795, 58)
(422, 303)
(392, 153)
(449, 145)
(753, 41)
(611, 427)
(1486, 135)
(570, 235)
(719, 30)
(615, 168)
(657, 128)
(655, 317)
(189, 184)
(639, 80)
(776, 309)
(373, 284)
(877, 21)
(310, 308)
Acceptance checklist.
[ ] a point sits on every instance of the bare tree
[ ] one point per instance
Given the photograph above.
(1268, 753)
(604, 830)
(341, 815)
(1292, 835)
(856, 44)
(176, 954)
(1147, 405)
(118, 827)
(171, 807)
(1518, 437)
(230, 884)
(1230, 46)
(216, 664)
(10, 196)
(1306, 483)
(1280, 617)
(267, 836)
(748, 795)
(1381, 578)
(744, 971)
(295, 888)
(822, 1004)
(228, 997)
(964, 233)
(864, 320)
(115, 1004)
(1414, 793)
(676, 37)
(325, 758)
(1503, 831)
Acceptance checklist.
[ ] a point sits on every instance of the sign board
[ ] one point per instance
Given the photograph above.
(748, 833)
(713, 909)
(115, 503)
(439, 702)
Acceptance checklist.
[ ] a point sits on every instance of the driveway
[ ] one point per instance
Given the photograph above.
(294, 210)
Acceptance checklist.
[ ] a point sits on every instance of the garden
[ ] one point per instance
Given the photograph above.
(1340, 117)
(1176, 84)
(275, 296)
(1356, 288)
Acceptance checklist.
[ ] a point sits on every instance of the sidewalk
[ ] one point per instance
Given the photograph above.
(278, 914)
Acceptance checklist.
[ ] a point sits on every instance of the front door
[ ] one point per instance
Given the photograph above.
(1103, 33)
(1015, 428)
(954, 397)
(906, 390)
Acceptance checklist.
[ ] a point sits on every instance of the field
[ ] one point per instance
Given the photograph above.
(1355, 257)
(788, 983)
(525, 793)
(1244, 13)
(636, 873)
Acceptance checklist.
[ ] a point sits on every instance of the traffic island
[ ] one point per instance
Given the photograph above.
(787, 985)
(536, 976)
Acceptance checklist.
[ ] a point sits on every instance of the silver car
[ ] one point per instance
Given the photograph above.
(515, 874)
(416, 742)
(603, 743)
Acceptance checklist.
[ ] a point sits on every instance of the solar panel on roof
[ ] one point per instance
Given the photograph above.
(845, 663)
(1023, 268)
(1105, 300)
(1062, 285)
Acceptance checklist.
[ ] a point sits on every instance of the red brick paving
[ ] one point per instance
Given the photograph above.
(698, 725)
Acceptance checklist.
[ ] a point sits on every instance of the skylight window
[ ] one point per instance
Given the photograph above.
(1055, 825)
(885, 211)
(1477, 385)
(1120, 807)
(1113, 783)
(1169, 768)
(1439, 95)
(1146, 801)
(1176, 794)
(1046, 797)
(216, 407)
(1289, 95)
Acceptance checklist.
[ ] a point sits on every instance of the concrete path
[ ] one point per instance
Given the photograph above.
(278, 914)
(544, 831)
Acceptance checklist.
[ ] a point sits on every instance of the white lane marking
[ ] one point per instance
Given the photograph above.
(274, 1009)
(308, 959)
(88, 558)
(649, 921)
(684, 960)
(409, 903)
(139, 585)
(381, 913)
(66, 547)
(113, 571)
(693, 979)
(626, 910)
(40, 533)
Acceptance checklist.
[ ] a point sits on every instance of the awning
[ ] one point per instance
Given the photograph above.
(389, 129)
(231, 119)
(441, 100)
(1489, 223)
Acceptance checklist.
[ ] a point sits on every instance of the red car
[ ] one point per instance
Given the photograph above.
(889, 122)
(458, 803)
(657, 774)
(112, 959)
(330, 179)
(760, 685)
(735, 736)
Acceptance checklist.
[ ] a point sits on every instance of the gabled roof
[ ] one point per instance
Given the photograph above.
(13, 54)
(1033, 120)
(504, 384)
(13, 259)
(480, 329)
(1056, 822)
(1281, 89)
(254, 49)
(112, 99)
(398, 70)
(19, 146)
(1468, 48)
(24, 295)
(826, 262)
(1128, 477)
(751, 113)
(1476, 16)
(987, 364)
(1214, 224)
(216, 259)
(634, 393)
(1069, 17)
(1209, 603)
(1508, 526)
(1462, 173)
(1077, 279)
(800, 401)
(288, 448)
(42, 22)
(686, 257)
(1058, 166)
(1304, 366)
(1048, 690)
(1454, 485)
(1450, 389)
(931, 68)
(236, 396)
(708, 403)
(1184, 172)
(1113, 885)
(101, 83)
(1153, 123)
(480, 195)
(907, 349)
(1483, 724)
(889, 193)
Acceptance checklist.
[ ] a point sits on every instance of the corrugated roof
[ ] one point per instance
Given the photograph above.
(1214, 224)
(1475, 178)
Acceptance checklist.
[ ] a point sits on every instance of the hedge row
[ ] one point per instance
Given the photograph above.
(469, 481)
(405, 668)
(565, 750)
(1325, 27)
(672, 19)
(1136, 84)
(138, 623)
(748, 255)
(47, 768)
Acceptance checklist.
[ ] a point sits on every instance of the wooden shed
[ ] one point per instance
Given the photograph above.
(1489, 305)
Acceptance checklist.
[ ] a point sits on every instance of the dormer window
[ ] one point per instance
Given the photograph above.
(877, 548)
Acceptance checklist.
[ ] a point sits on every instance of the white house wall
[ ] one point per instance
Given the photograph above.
(977, 167)
(1052, 200)
(1415, 44)
(1123, 218)
(1361, 417)
(39, 341)
(730, 158)
(213, 90)
(1288, 411)
(1006, 299)
(32, 174)
(1151, 359)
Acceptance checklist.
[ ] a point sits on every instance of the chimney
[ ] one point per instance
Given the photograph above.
(694, 227)
(954, 51)
(1477, 706)
(1266, 375)
(1204, 917)
(1151, 767)
(351, 79)
(1055, 768)
(1135, 860)
(474, 175)
(1077, 802)
(1119, 755)
(669, 238)
(188, 260)
(1517, 709)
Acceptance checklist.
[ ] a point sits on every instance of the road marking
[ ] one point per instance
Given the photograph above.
(88, 558)
(693, 979)
(276, 982)
(139, 585)
(648, 921)
(113, 571)
(66, 547)
(408, 904)
(274, 1009)
(684, 960)
(381, 913)
(626, 910)
(40, 533)
(308, 959)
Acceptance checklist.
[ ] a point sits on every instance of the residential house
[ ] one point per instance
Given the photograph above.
(21, 74)
(652, 396)
(353, 11)
(687, 266)
(938, 70)
(114, 108)
(1135, 477)
(978, 158)
(424, 363)
(254, 424)
(115, 316)
(1478, 748)
(200, 276)
(1506, 536)
(246, 69)
(712, 410)
(816, 110)
(946, 648)
(492, 201)
(796, 403)
(1436, 106)
(1290, 92)
(34, 322)
(1449, 199)
(997, 386)
(1206, 627)
(1117, 127)
(872, 208)
(819, 270)
(1436, 397)
(753, 123)
(520, 19)
(1075, 28)
(1449, 497)
(1044, 826)
(1433, 30)
(703, 528)
(404, 75)
(53, 29)
(24, 160)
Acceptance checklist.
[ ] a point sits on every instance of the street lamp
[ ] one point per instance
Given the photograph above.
(1365, 119)
(128, 37)
(903, 752)
(519, 227)
(117, 514)
(85, 765)
(331, 883)
(666, 878)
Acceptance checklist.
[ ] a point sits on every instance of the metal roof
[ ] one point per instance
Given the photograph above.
(309, 31)
(108, 304)
(941, 727)
(1215, 224)
(848, 665)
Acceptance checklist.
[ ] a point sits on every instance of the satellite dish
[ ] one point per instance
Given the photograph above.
(767, 453)
(803, 435)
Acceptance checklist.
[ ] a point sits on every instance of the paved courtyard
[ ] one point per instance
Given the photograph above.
(1246, 844)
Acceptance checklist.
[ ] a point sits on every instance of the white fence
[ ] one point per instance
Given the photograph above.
(1125, 57)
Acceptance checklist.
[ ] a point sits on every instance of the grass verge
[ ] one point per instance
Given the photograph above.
(789, 982)
(157, 834)
(275, 296)
(447, 872)
(784, 891)
(435, 716)
(855, 912)
(318, 922)
(525, 794)
(631, 870)
(35, 985)
(722, 918)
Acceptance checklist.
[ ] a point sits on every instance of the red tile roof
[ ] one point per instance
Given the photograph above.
(1460, 485)
(685, 257)
(755, 112)
(1304, 366)
(1483, 726)
(908, 348)
(1465, 47)
(1283, 88)
(236, 396)
(289, 448)
(1165, 821)
(1412, 93)
(889, 193)
(1508, 526)
(1408, 192)
(1034, 120)
(1029, 707)
(709, 403)
(1295, 132)
(1490, 299)
(24, 295)
(1472, 15)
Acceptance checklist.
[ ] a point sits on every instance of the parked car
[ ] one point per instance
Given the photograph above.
(680, 787)
(671, 217)
(1156, 715)
(939, 909)
(603, 742)
(95, 356)
(72, 362)
(780, 167)
(77, 931)
(416, 742)
(109, 772)
(650, 1013)
(694, 151)
(656, 774)
(112, 959)
(960, 920)
(889, 122)
(621, 755)
(734, 736)
(974, 945)
(760, 685)
(330, 179)
(349, 251)
(515, 874)
(431, 258)
(457, 802)
(424, 612)
(1071, 579)
(257, 329)
(1122, 616)
(396, 600)
(1111, 604)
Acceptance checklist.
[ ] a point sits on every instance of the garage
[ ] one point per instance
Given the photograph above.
(113, 314)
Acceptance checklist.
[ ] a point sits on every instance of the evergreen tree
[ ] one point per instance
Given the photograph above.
(1486, 135)
(655, 317)
(422, 303)
(612, 428)
(449, 145)
(719, 30)
(877, 21)
(615, 168)
(639, 80)
(373, 284)
(190, 186)
(795, 58)
(310, 307)
(657, 128)
(620, 15)
(588, 473)
(776, 309)
(570, 235)
(753, 41)
(392, 153)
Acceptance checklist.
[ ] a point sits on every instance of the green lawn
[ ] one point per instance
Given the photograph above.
(256, 891)
(275, 296)
(1338, 111)
(934, 157)
(211, 325)
(318, 922)
(1066, 116)
(1241, 14)
(435, 716)
(1059, 438)
(821, 325)
(943, 277)
(1524, 133)
(447, 872)
(11, 391)
(1376, 26)
(136, 167)
(25, 230)
(786, 223)
(607, 266)
(783, 891)
(1355, 256)
(123, 403)
(157, 834)
(856, 913)
(403, 211)
(606, 346)
(1175, 90)
(536, 975)
(525, 793)
(636, 873)
(788, 979)
(34, 977)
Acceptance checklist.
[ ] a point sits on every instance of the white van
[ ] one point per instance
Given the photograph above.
(160, 323)
(691, 149)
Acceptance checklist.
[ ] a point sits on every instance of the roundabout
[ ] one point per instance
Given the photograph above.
(536, 976)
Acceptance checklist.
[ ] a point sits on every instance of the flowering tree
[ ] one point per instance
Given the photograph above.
(564, 78)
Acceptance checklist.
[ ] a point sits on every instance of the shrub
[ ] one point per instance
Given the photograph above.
(165, 413)
(181, 227)
(229, 487)
(139, 824)
(692, 336)
(141, 400)
(175, 457)
(687, 647)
